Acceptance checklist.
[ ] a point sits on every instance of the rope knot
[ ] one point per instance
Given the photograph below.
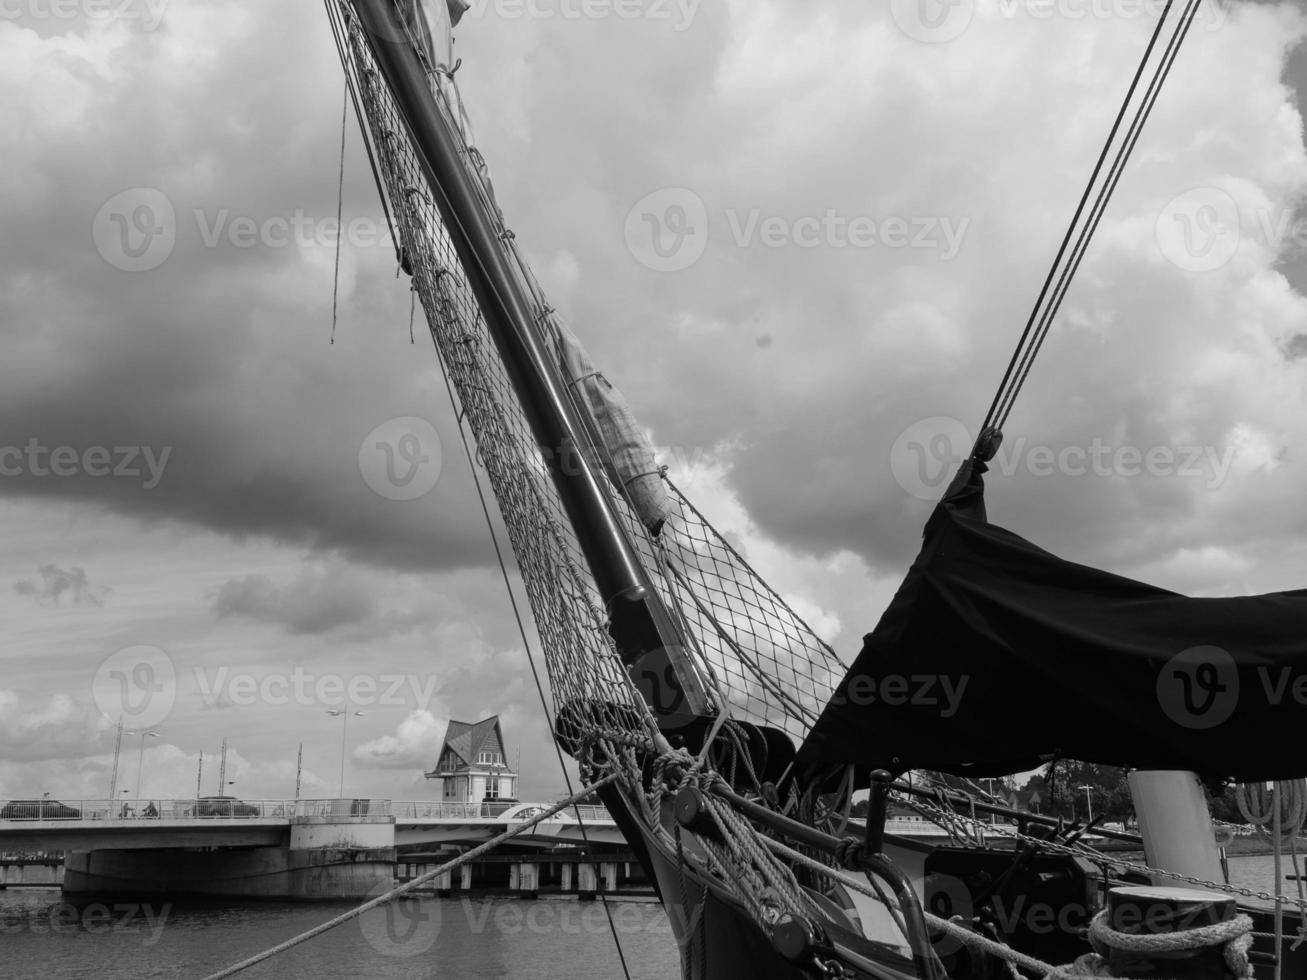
(848, 852)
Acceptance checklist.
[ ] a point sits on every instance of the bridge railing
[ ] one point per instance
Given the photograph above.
(438, 810)
(52, 811)
(56, 811)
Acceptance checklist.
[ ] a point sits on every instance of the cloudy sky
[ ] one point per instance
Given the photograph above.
(803, 239)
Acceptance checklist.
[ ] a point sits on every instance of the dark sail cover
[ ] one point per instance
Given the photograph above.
(996, 656)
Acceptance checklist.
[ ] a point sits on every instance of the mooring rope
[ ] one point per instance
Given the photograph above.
(409, 886)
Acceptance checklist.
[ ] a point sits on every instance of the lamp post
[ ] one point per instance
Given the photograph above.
(1089, 801)
(343, 714)
(140, 759)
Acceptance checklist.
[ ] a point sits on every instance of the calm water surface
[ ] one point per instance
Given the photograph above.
(44, 938)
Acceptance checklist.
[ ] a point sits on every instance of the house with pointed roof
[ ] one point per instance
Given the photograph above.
(473, 764)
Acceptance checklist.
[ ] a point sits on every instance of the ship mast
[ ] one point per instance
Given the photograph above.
(646, 637)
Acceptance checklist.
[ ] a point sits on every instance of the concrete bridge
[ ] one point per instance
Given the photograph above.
(295, 849)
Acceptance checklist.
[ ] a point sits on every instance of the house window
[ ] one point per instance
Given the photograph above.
(492, 789)
(490, 759)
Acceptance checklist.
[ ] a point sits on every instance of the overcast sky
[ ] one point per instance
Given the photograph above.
(803, 238)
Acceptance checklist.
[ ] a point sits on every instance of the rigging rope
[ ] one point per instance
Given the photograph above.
(409, 886)
(1042, 316)
(340, 210)
(338, 34)
(521, 629)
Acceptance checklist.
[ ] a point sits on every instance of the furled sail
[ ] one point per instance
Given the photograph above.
(995, 656)
(630, 462)
(628, 454)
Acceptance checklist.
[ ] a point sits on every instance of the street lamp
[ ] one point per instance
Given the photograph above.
(343, 714)
(1089, 801)
(140, 759)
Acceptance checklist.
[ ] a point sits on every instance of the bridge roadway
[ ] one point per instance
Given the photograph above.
(93, 825)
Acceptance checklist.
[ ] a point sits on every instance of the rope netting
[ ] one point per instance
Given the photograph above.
(761, 658)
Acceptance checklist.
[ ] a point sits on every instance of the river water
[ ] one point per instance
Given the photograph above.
(44, 938)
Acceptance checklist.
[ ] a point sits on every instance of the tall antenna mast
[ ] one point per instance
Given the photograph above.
(299, 770)
(117, 750)
(222, 768)
(199, 775)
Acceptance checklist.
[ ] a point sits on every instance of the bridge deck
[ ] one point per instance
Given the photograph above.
(93, 825)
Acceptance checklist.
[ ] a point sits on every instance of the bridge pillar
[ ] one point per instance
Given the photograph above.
(325, 858)
(566, 878)
(608, 876)
(587, 884)
(524, 878)
(465, 877)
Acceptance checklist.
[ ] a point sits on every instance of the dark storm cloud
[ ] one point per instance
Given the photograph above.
(219, 357)
(55, 583)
